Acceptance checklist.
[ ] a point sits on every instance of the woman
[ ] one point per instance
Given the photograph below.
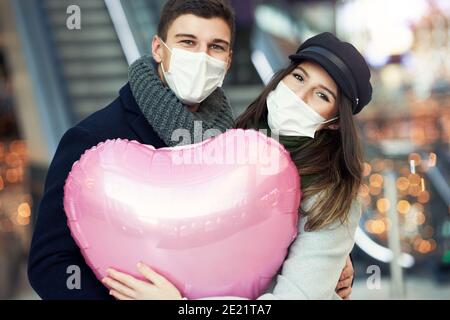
(310, 106)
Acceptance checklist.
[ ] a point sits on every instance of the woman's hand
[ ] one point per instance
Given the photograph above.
(126, 287)
(344, 286)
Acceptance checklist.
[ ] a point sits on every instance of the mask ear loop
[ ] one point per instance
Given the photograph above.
(331, 120)
(170, 50)
(164, 44)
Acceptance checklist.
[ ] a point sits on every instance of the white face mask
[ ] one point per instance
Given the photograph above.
(290, 116)
(193, 76)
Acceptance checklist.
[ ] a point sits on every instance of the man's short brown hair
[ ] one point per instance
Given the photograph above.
(200, 8)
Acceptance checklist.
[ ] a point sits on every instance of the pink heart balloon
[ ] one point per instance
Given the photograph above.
(215, 218)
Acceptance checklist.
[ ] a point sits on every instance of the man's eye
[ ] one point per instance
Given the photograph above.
(298, 77)
(323, 96)
(188, 42)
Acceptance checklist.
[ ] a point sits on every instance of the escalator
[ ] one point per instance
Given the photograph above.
(93, 64)
(64, 74)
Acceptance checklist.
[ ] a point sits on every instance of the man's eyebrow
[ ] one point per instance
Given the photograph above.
(329, 91)
(185, 35)
(191, 36)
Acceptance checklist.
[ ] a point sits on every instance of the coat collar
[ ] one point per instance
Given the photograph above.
(137, 120)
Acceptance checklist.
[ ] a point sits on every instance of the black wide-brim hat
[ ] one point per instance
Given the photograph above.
(344, 64)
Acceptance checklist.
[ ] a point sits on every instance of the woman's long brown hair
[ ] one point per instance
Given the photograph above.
(333, 156)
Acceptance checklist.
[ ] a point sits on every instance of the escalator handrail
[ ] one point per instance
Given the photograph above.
(123, 30)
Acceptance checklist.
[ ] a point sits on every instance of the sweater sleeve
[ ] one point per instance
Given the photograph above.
(314, 262)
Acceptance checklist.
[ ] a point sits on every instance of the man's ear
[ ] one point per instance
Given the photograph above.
(156, 49)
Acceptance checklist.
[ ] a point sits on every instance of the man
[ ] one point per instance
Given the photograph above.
(179, 86)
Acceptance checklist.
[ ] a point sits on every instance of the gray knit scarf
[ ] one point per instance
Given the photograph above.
(164, 111)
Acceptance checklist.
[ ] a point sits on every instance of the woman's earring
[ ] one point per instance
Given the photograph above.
(333, 126)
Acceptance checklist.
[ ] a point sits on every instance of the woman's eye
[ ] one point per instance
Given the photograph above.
(217, 47)
(298, 77)
(322, 96)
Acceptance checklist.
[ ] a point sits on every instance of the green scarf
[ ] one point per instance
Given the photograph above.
(293, 144)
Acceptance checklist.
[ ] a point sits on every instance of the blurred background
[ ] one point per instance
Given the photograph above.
(51, 77)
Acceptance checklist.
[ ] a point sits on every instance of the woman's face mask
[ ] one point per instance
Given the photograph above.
(290, 116)
(193, 76)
